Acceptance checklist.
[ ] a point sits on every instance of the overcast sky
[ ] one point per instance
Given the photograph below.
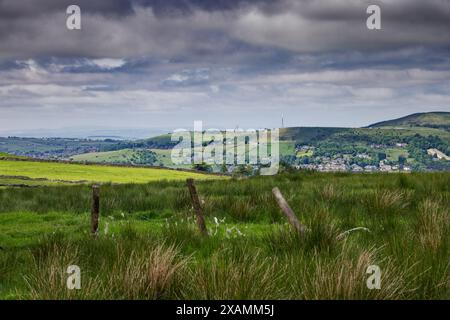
(165, 63)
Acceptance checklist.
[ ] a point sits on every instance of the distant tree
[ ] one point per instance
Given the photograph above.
(381, 156)
(243, 170)
(202, 167)
(304, 160)
(224, 168)
(401, 160)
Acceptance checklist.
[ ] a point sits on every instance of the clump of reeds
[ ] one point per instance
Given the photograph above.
(384, 201)
(145, 274)
(433, 224)
(345, 277)
(47, 279)
(253, 276)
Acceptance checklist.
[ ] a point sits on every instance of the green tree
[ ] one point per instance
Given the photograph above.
(381, 156)
(202, 167)
(401, 160)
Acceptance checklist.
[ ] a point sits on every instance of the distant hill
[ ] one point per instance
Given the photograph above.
(51, 148)
(437, 120)
(159, 142)
(384, 146)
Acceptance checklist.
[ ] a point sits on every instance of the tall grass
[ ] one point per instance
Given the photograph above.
(152, 275)
(344, 277)
(252, 276)
(115, 270)
(407, 215)
(432, 224)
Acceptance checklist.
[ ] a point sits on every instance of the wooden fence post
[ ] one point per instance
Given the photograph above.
(290, 215)
(95, 212)
(197, 207)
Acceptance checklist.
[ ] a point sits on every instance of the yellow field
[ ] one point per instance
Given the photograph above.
(94, 173)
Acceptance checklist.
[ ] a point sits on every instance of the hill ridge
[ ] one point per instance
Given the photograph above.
(433, 119)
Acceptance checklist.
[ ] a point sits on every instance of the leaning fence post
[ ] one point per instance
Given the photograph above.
(95, 212)
(288, 212)
(197, 207)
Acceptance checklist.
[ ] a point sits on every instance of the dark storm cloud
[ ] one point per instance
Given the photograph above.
(17, 9)
(12, 9)
(180, 29)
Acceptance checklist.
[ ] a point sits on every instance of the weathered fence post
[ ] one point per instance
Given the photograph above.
(95, 212)
(197, 207)
(290, 215)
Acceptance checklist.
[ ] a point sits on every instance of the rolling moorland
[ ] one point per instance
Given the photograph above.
(418, 142)
(148, 245)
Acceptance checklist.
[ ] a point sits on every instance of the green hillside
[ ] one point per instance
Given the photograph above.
(6, 156)
(123, 156)
(158, 142)
(307, 135)
(439, 120)
(398, 143)
(49, 148)
(313, 147)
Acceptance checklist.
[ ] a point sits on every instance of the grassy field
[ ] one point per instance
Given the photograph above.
(117, 156)
(148, 246)
(163, 157)
(53, 171)
(125, 156)
(7, 156)
(393, 153)
(305, 153)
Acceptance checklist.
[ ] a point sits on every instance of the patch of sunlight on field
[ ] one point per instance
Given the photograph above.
(306, 153)
(94, 173)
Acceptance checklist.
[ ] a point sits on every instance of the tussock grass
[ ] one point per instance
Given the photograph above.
(47, 277)
(330, 192)
(145, 275)
(433, 224)
(386, 202)
(344, 277)
(153, 249)
(252, 276)
(115, 270)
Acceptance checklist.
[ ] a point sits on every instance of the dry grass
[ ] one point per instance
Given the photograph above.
(388, 201)
(433, 224)
(47, 280)
(248, 277)
(149, 275)
(345, 277)
(330, 192)
(133, 275)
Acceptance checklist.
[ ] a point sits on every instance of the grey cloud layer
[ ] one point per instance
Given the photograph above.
(168, 29)
(169, 62)
(221, 93)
